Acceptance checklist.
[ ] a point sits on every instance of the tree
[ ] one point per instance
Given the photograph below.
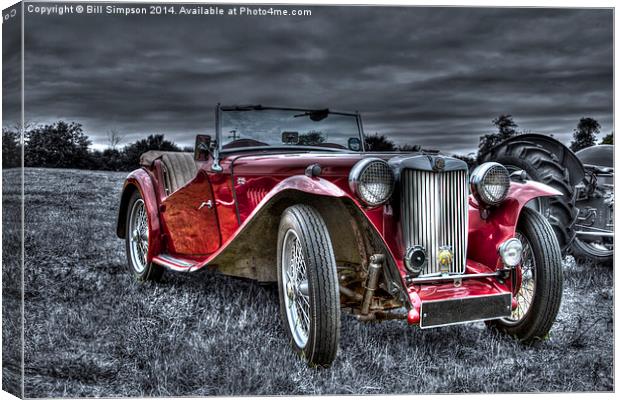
(59, 145)
(132, 152)
(114, 138)
(108, 160)
(311, 138)
(585, 134)
(505, 130)
(505, 126)
(17, 126)
(608, 139)
(11, 149)
(378, 142)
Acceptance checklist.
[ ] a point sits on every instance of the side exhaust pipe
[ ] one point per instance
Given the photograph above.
(374, 268)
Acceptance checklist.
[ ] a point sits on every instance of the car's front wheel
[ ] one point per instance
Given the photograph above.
(308, 285)
(137, 241)
(538, 291)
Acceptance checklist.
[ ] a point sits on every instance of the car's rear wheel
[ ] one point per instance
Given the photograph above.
(539, 290)
(137, 241)
(308, 285)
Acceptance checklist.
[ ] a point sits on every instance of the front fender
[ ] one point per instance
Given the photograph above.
(485, 235)
(302, 183)
(141, 181)
(290, 188)
(251, 250)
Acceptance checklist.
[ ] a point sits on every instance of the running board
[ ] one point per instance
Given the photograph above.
(175, 263)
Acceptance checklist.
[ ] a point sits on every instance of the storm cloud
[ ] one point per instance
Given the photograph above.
(431, 76)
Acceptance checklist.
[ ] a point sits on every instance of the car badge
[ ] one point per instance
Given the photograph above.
(240, 181)
(439, 164)
(445, 258)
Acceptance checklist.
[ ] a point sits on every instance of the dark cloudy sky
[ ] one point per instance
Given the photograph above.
(434, 76)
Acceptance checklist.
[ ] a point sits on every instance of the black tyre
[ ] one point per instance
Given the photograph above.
(137, 241)
(308, 285)
(540, 292)
(589, 252)
(543, 166)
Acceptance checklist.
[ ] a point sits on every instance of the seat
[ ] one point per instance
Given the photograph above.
(178, 168)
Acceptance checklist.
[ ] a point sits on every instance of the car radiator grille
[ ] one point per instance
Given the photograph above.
(434, 212)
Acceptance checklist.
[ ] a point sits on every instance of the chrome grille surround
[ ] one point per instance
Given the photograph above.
(434, 214)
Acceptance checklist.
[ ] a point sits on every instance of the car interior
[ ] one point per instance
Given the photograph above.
(177, 168)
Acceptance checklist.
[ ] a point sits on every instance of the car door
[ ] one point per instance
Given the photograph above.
(190, 218)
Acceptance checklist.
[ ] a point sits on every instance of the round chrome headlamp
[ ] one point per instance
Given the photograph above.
(490, 183)
(372, 180)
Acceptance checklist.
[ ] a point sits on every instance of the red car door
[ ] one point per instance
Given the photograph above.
(190, 218)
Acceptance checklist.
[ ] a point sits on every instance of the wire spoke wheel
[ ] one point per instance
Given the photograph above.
(308, 285)
(139, 236)
(537, 281)
(525, 295)
(137, 241)
(295, 280)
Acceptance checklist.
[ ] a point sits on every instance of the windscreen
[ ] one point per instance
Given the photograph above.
(275, 127)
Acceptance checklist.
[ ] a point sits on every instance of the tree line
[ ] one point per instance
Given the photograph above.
(584, 135)
(65, 145)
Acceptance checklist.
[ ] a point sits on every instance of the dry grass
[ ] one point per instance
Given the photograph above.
(90, 331)
(11, 283)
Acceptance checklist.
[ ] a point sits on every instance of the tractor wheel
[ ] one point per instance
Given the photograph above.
(542, 166)
(600, 253)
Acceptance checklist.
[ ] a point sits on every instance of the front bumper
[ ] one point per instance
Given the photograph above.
(460, 299)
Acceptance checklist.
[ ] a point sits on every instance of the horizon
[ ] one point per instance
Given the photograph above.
(137, 136)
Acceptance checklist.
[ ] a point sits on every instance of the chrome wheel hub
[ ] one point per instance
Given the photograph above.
(289, 291)
(295, 282)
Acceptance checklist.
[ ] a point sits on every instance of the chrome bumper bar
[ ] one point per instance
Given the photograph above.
(446, 278)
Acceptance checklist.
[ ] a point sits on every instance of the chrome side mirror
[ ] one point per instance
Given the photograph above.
(518, 176)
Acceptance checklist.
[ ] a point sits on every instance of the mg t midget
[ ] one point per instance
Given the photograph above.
(292, 196)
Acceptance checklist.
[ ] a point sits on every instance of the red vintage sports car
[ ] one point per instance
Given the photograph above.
(290, 196)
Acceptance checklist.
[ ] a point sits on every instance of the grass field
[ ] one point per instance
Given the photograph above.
(90, 331)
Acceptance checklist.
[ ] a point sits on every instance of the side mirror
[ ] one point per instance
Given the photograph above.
(519, 176)
(202, 148)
